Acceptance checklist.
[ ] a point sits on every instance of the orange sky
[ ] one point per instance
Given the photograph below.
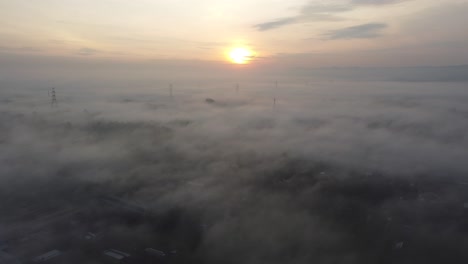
(303, 33)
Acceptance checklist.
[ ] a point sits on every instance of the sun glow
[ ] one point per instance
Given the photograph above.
(241, 55)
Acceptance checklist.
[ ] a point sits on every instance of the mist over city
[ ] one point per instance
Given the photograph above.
(261, 132)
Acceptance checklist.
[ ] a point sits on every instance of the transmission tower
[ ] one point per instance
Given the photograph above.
(54, 98)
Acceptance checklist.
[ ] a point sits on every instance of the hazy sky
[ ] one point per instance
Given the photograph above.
(296, 33)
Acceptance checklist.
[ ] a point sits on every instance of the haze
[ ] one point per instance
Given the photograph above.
(233, 131)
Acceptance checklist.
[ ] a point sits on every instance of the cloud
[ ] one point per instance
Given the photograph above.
(313, 9)
(87, 52)
(320, 12)
(275, 24)
(364, 31)
(376, 2)
(308, 13)
(340, 173)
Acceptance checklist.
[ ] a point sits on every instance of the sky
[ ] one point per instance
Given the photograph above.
(298, 33)
(342, 138)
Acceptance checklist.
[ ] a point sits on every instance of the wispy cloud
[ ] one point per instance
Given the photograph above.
(87, 52)
(275, 24)
(308, 13)
(376, 2)
(369, 30)
(320, 12)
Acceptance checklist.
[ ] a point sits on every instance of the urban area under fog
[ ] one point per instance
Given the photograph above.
(224, 172)
(233, 132)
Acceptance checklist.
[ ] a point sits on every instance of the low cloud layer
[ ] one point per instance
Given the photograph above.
(332, 172)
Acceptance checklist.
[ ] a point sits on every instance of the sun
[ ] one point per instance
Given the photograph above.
(240, 55)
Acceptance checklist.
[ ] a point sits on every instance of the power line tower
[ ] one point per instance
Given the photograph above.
(237, 87)
(54, 98)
